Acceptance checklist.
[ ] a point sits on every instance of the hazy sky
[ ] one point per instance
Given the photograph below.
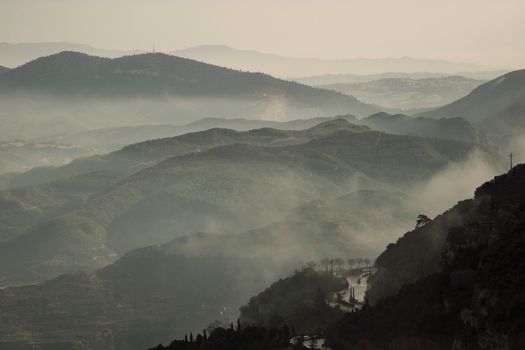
(490, 32)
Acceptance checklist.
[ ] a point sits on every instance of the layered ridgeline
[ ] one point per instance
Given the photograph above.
(453, 128)
(498, 107)
(409, 93)
(134, 157)
(456, 282)
(177, 186)
(71, 91)
(109, 139)
(329, 79)
(152, 295)
(302, 66)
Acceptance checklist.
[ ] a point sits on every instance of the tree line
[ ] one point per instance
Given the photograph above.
(339, 264)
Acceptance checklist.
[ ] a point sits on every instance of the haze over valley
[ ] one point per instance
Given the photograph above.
(261, 175)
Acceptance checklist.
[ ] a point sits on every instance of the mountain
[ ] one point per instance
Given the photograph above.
(137, 156)
(496, 106)
(3, 69)
(283, 66)
(443, 128)
(17, 54)
(72, 92)
(153, 294)
(111, 139)
(456, 282)
(169, 194)
(328, 79)
(408, 93)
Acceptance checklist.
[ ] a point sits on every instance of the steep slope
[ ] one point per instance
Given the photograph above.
(444, 128)
(156, 88)
(214, 191)
(407, 93)
(497, 106)
(489, 99)
(465, 291)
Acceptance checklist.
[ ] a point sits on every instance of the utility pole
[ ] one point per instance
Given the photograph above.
(511, 156)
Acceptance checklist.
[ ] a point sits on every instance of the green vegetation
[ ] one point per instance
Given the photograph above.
(214, 190)
(298, 301)
(250, 337)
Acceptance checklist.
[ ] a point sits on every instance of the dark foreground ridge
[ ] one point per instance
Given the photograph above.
(251, 337)
(471, 297)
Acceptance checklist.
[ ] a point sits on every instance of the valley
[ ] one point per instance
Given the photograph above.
(262, 175)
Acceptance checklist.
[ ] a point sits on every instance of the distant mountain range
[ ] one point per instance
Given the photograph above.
(15, 54)
(408, 93)
(328, 79)
(283, 66)
(73, 91)
(111, 139)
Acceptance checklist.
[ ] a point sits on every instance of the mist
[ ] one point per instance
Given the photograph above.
(455, 183)
(171, 167)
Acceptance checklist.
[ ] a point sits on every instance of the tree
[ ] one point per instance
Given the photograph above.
(351, 263)
(311, 265)
(339, 263)
(422, 220)
(326, 263)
